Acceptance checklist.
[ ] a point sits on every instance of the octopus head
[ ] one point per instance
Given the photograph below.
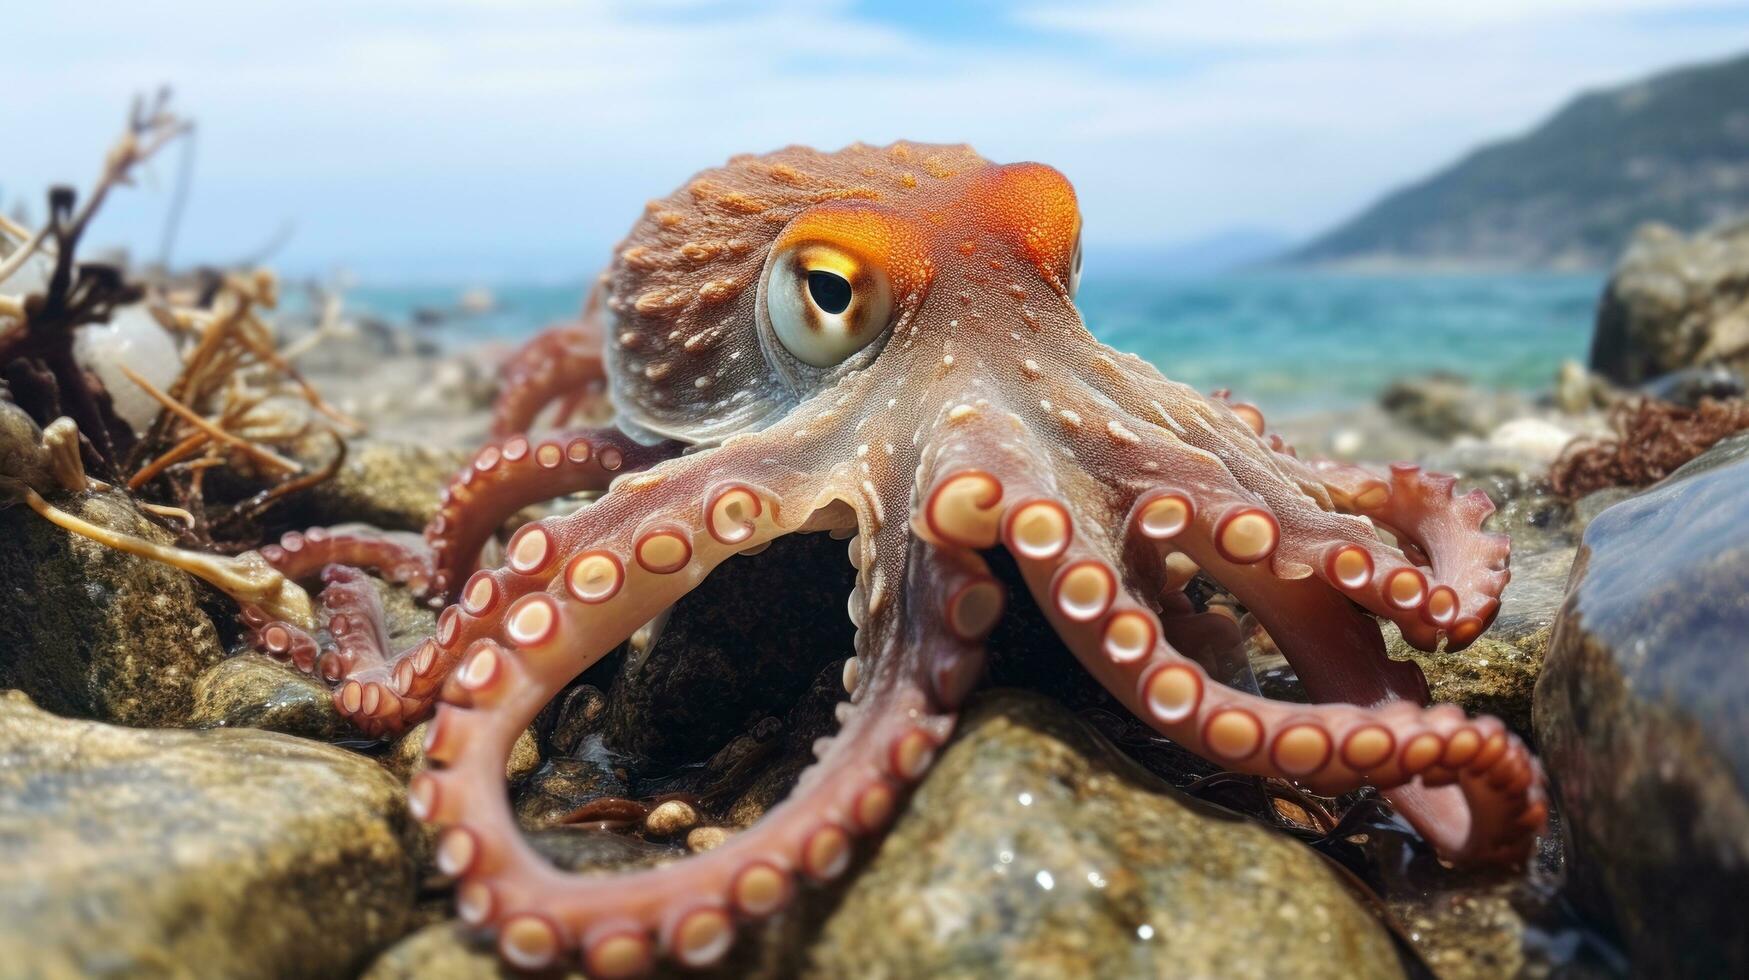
(768, 280)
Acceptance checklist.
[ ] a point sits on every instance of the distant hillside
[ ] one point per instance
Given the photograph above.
(1673, 148)
(1209, 255)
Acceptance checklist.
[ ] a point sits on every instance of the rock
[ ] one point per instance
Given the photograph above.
(1675, 303)
(1643, 717)
(1578, 391)
(1688, 386)
(407, 756)
(254, 691)
(446, 951)
(1444, 405)
(89, 631)
(1531, 438)
(670, 819)
(393, 486)
(561, 785)
(751, 655)
(222, 853)
(1497, 673)
(1028, 797)
(1033, 849)
(1357, 434)
(591, 849)
(1535, 520)
(1586, 508)
(579, 712)
(414, 394)
(701, 839)
(1518, 449)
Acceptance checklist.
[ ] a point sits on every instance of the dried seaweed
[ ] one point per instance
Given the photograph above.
(237, 407)
(37, 365)
(1650, 440)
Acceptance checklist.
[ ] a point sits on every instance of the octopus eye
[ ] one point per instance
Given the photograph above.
(825, 304)
(830, 291)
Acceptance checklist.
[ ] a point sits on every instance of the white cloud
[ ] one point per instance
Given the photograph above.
(1258, 23)
(482, 140)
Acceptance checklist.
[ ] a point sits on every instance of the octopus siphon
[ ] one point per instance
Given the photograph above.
(883, 343)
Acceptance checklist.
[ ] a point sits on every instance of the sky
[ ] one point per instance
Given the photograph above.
(516, 140)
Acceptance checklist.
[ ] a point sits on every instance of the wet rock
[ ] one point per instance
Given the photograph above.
(1356, 434)
(227, 853)
(701, 839)
(1538, 441)
(394, 486)
(407, 756)
(446, 951)
(748, 640)
(91, 632)
(1537, 521)
(1688, 386)
(591, 849)
(577, 717)
(1643, 717)
(1586, 508)
(1497, 673)
(1577, 390)
(1519, 449)
(670, 819)
(254, 691)
(560, 786)
(1444, 405)
(1674, 303)
(1033, 849)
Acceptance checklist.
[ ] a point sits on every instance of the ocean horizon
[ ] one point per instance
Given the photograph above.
(1291, 341)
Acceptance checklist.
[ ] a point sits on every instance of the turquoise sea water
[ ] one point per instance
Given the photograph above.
(1290, 342)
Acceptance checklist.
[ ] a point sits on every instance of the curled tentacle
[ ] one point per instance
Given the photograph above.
(510, 474)
(1421, 510)
(382, 691)
(1468, 567)
(1333, 747)
(1217, 449)
(920, 648)
(396, 555)
(1074, 565)
(561, 364)
(349, 647)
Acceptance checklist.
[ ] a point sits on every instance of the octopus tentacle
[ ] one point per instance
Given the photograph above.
(1457, 600)
(1420, 509)
(917, 650)
(1333, 747)
(354, 653)
(398, 556)
(509, 474)
(1443, 531)
(382, 691)
(989, 484)
(562, 363)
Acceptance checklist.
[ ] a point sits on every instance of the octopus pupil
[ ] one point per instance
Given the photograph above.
(830, 291)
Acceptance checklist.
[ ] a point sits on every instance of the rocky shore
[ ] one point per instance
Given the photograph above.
(176, 803)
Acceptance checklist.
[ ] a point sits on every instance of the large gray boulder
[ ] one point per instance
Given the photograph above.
(1675, 303)
(1642, 712)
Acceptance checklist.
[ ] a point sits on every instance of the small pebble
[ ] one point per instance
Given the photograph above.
(702, 839)
(670, 818)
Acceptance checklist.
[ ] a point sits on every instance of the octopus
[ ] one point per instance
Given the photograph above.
(883, 343)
